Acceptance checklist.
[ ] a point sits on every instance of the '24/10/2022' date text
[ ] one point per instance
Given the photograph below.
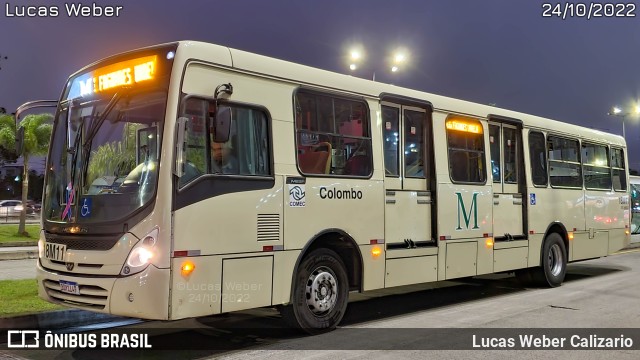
(589, 11)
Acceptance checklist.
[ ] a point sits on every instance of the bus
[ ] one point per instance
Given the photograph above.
(634, 191)
(190, 179)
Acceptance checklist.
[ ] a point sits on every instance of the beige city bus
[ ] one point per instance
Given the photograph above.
(191, 179)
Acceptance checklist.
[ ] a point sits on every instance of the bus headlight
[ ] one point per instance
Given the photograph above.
(41, 242)
(40, 249)
(141, 255)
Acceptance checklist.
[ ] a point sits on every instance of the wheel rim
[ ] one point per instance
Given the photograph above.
(556, 261)
(321, 291)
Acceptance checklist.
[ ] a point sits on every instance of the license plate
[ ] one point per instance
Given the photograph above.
(69, 287)
(55, 251)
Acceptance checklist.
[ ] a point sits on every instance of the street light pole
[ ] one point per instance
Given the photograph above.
(616, 111)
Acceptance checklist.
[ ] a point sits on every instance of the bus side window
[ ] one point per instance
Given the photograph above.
(538, 157)
(465, 141)
(332, 135)
(618, 170)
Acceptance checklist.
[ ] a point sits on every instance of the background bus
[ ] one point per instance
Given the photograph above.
(191, 179)
(635, 203)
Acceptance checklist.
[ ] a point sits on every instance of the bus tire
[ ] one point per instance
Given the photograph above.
(320, 293)
(553, 264)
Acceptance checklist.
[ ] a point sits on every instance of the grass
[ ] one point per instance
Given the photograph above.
(9, 233)
(19, 297)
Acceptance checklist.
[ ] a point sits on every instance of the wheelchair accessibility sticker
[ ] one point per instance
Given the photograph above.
(85, 210)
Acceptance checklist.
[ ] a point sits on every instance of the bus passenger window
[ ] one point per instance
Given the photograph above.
(618, 170)
(466, 150)
(595, 165)
(494, 148)
(332, 135)
(538, 157)
(564, 162)
(414, 143)
(390, 121)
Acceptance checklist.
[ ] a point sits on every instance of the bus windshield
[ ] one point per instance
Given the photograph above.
(104, 158)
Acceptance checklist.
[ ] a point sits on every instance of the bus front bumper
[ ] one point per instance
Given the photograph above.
(144, 295)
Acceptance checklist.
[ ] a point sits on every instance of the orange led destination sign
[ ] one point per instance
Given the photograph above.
(466, 126)
(123, 73)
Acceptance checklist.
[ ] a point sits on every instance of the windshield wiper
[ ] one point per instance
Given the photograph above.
(75, 150)
(95, 125)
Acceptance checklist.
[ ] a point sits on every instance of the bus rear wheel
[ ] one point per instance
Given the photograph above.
(320, 293)
(553, 263)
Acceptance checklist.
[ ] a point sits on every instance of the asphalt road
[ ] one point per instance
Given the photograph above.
(602, 293)
(18, 269)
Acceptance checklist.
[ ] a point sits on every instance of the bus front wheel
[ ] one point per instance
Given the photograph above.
(320, 293)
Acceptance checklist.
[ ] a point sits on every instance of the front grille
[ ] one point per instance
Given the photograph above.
(85, 242)
(62, 263)
(91, 296)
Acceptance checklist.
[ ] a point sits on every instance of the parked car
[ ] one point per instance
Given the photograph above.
(13, 208)
(33, 207)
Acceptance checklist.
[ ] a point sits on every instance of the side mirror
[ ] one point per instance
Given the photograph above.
(20, 141)
(181, 124)
(221, 124)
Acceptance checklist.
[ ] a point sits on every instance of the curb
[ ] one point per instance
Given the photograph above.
(631, 246)
(19, 255)
(19, 243)
(56, 319)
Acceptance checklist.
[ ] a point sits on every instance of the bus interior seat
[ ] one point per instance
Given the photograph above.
(316, 160)
(358, 165)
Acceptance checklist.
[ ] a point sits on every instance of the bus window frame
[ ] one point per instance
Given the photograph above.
(340, 96)
(181, 107)
(624, 162)
(484, 151)
(610, 167)
(579, 162)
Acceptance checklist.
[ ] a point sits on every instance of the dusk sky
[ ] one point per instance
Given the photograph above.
(491, 51)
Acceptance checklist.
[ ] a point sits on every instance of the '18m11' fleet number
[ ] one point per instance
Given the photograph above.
(54, 251)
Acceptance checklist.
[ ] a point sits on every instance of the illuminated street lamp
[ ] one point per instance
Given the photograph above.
(398, 59)
(616, 111)
(356, 58)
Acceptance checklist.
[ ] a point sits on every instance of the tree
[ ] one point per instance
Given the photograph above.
(116, 157)
(37, 134)
(7, 138)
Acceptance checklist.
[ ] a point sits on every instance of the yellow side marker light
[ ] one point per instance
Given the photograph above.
(187, 268)
(376, 251)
